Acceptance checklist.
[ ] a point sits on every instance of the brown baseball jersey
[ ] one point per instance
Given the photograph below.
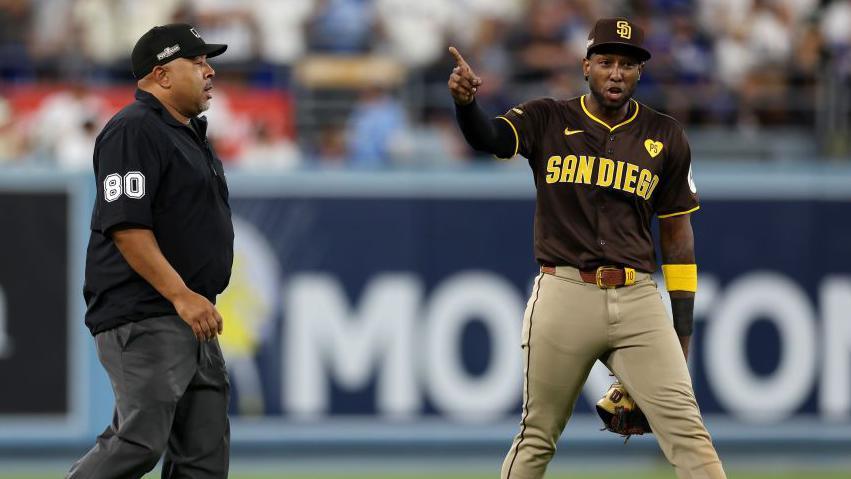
(599, 185)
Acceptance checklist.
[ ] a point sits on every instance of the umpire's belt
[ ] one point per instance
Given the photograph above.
(605, 277)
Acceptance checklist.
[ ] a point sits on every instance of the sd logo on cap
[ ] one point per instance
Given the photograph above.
(617, 33)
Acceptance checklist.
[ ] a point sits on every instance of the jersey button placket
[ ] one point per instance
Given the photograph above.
(611, 148)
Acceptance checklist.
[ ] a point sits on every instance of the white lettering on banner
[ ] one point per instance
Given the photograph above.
(775, 298)
(459, 299)
(376, 336)
(411, 345)
(835, 390)
(5, 340)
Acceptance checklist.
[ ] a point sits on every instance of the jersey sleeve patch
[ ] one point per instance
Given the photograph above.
(127, 164)
(131, 185)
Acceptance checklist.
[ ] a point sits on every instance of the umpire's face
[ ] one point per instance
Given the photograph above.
(612, 77)
(190, 84)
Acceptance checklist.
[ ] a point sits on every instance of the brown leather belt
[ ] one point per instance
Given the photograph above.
(605, 277)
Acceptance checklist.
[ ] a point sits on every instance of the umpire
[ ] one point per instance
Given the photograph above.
(161, 249)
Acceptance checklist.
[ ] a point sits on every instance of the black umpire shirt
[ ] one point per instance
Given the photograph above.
(154, 172)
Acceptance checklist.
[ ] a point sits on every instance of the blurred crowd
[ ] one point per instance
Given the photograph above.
(366, 78)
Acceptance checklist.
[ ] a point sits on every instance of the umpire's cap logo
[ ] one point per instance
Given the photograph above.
(163, 43)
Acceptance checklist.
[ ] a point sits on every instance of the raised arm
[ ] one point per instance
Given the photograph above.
(481, 131)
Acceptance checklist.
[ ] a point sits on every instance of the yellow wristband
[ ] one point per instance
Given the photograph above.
(680, 277)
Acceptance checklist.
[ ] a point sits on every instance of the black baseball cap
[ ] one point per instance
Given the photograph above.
(619, 33)
(164, 43)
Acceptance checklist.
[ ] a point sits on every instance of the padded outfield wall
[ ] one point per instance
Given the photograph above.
(371, 309)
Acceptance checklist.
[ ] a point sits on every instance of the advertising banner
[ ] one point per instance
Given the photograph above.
(34, 313)
(395, 308)
(386, 309)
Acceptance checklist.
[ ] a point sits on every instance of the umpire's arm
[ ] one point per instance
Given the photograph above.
(677, 244)
(142, 252)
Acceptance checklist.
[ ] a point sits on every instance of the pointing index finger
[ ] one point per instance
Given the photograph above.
(459, 60)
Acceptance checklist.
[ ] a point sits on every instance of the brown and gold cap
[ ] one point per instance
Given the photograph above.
(617, 32)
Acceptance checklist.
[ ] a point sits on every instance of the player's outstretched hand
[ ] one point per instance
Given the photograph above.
(463, 82)
(200, 314)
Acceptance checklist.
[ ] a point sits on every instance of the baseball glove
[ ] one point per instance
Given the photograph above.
(620, 414)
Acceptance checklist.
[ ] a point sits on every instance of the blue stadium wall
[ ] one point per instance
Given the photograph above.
(369, 309)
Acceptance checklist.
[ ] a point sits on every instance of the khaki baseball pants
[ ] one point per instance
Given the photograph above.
(570, 324)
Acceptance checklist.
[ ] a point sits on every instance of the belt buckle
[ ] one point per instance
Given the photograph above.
(599, 277)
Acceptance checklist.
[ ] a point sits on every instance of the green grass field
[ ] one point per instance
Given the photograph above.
(661, 474)
(619, 475)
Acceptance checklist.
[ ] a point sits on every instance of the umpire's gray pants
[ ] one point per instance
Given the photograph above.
(171, 396)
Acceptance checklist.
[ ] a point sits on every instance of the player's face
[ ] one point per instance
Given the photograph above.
(191, 84)
(612, 78)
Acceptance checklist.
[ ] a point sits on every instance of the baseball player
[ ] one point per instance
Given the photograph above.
(161, 249)
(603, 165)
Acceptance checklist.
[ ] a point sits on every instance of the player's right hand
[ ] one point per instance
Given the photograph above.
(463, 82)
(200, 314)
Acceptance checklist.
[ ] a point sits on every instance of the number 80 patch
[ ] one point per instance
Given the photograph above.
(131, 185)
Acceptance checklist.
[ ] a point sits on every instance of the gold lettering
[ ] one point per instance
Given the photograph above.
(568, 169)
(586, 166)
(618, 176)
(629, 181)
(553, 168)
(604, 175)
(643, 183)
(624, 29)
(652, 187)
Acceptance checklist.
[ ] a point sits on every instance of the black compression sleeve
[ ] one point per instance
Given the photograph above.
(491, 135)
(683, 312)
